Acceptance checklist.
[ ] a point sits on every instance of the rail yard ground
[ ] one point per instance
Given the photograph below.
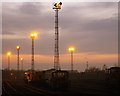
(82, 84)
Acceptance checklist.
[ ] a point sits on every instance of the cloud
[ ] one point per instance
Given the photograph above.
(91, 27)
(24, 19)
(30, 8)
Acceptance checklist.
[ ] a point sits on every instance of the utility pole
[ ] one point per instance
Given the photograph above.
(18, 48)
(33, 35)
(9, 54)
(71, 50)
(87, 66)
(22, 64)
(57, 7)
(32, 54)
(71, 61)
(18, 73)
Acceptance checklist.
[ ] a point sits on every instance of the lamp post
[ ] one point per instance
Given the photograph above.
(18, 49)
(9, 54)
(21, 63)
(71, 50)
(87, 66)
(86, 62)
(33, 35)
(57, 7)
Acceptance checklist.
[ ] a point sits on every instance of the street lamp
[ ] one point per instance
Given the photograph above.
(86, 59)
(9, 54)
(71, 50)
(18, 48)
(57, 5)
(33, 35)
(22, 63)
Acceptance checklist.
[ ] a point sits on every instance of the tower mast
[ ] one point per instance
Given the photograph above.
(57, 7)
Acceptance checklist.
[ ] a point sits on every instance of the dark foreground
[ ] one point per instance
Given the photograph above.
(18, 88)
(81, 85)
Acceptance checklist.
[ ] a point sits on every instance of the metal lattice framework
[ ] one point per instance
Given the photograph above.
(57, 7)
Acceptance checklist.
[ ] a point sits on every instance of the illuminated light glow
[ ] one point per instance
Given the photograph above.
(21, 59)
(9, 53)
(58, 5)
(17, 47)
(71, 49)
(34, 35)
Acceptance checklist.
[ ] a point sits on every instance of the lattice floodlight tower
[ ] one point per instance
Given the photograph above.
(57, 7)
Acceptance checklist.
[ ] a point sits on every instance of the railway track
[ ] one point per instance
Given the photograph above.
(8, 90)
(14, 89)
(50, 92)
(11, 88)
(18, 89)
(43, 91)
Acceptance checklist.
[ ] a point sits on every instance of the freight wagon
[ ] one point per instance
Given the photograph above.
(53, 78)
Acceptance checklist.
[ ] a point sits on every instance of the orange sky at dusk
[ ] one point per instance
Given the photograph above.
(46, 61)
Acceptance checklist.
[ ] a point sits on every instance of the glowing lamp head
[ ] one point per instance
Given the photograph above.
(33, 35)
(17, 47)
(9, 53)
(58, 5)
(71, 49)
(21, 59)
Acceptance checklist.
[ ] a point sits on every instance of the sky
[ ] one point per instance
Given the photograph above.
(91, 27)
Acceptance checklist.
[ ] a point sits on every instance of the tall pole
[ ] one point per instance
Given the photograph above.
(32, 54)
(71, 50)
(18, 61)
(71, 60)
(8, 62)
(18, 48)
(56, 58)
(87, 65)
(57, 7)
(22, 64)
(33, 36)
(9, 54)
